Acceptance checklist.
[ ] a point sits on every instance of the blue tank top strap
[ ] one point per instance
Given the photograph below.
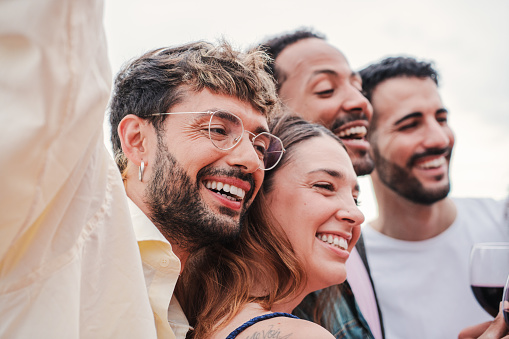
(255, 320)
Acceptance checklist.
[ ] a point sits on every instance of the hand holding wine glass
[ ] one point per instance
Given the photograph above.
(489, 268)
(487, 330)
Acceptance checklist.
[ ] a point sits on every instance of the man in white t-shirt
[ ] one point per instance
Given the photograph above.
(418, 247)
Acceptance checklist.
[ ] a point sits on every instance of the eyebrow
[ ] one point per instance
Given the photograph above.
(335, 174)
(417, 115)
(408, 116)
(332, 173)
(261, 129)
(334, 73)
(324, 71)
(258, 130)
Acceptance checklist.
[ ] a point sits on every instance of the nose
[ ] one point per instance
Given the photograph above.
(355, 101)
(350, 214)
(436, 135)
(244, 155)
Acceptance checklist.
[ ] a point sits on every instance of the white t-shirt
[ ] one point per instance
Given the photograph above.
(423, 287)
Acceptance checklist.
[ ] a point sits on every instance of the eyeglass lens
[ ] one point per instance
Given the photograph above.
(271, 151)
(226, 130)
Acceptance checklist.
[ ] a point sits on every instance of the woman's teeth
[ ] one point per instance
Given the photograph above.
(334, 240)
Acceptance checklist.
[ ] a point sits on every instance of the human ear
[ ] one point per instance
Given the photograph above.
(133, 138)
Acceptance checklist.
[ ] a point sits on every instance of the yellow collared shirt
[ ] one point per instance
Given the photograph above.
(161, 268)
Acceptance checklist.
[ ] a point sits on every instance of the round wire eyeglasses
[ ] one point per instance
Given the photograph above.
(225, 130)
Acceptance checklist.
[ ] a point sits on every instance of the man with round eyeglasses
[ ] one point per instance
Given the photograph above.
(193, 156)
(71, 264)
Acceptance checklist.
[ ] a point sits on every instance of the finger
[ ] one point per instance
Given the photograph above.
(498, 328)
(474, 331)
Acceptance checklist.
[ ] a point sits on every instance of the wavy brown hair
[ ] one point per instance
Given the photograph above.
(160, 79)
(260, 267)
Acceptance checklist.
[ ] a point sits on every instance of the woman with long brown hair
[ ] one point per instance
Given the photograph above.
(296, 239)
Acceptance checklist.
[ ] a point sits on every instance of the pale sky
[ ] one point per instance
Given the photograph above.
(467, 39)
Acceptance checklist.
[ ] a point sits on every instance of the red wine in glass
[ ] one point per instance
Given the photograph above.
(489, 269)
(489, 297)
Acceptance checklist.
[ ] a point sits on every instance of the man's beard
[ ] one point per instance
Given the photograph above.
(401, 180)
(362, 162)
(361, 159)
(178, 210)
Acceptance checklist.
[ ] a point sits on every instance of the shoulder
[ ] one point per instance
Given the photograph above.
(467, 203)
(285, 328)
(495, 210)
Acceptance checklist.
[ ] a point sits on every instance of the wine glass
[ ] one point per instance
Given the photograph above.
(505, 302)
(489, 268)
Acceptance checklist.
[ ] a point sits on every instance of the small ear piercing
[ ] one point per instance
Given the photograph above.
(142, 168)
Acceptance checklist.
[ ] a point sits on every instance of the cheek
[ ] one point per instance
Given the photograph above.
(369, 111)
(281, 207)
(258, 176)
(356, 233)
(396, 148)
(287, 211)
(301, 224)
(194, 156)
(451, 138)
(321, 114)
(300, 235)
